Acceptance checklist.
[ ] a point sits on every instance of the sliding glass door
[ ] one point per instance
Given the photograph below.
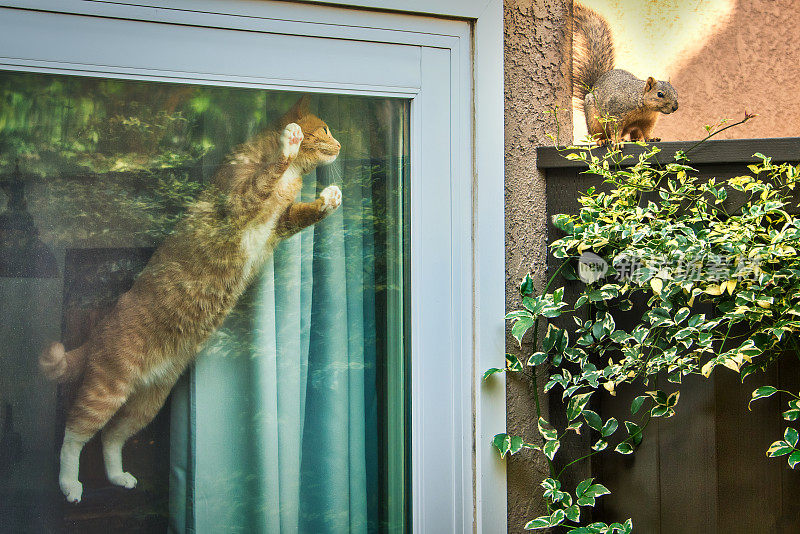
(335, 395)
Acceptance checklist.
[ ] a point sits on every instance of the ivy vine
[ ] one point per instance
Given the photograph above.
(717, 264)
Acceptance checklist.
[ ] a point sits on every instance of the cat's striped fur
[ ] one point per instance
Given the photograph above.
(134, 356)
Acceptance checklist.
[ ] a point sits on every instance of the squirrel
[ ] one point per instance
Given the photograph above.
(616, 103)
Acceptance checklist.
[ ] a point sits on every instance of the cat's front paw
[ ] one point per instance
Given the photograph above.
(331, 198)
(291, 138)
(72, 490)
(126, 480)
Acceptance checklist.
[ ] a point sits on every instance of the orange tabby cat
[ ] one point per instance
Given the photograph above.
(135, 355)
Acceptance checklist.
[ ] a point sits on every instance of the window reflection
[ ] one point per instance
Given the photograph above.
(284, 422)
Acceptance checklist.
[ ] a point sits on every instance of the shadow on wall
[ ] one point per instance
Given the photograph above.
(751, 64)
(723, 57)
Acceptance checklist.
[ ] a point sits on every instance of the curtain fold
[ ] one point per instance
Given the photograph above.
(278, 428)
(270, 431)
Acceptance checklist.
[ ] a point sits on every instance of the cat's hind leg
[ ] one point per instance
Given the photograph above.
(135, 414)
(101, 394)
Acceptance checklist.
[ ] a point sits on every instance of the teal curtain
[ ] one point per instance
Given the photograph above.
(276, 429)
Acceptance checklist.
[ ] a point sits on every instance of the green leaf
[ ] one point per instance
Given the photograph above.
(793, 459)
(589, 495)
(583, 486)
(626, 305)
(576, 426)
(558, 295)
(791, 415)
(516, 314)
(593, 420)
(573, 513)
(551, 484)
(507, 444)
(563, 222)
(520, 327)
(608, 323)
(563, 497)
(620, 336)
(534, 305)
(635, 432)
(526, 288)
(658, 316)
(628, 526)
(683, 333)
(672, 400)
(550, 448)
(492, 371)
(539, 522)
(601, 445)
(779, 448)
(791, 436)
(659, 411)
(682, 314)
(659, 396)
(597, 330)
(609, 428)
(576, 404)
(637, 403)
(552, 337)
(640, 333)
(760, 393)
(537, 358)
(546, 429)
(596, 490)
(513, 363)
(557, 517)
(624, 448)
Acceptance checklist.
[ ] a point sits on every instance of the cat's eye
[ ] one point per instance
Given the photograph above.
(660, 94)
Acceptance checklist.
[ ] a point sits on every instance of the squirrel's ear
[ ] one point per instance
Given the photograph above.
(649, 84)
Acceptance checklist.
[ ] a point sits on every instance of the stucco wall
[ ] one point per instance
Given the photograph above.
(723, 57)
(537, 74)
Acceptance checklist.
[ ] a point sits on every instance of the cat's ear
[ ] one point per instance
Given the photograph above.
(298, 110)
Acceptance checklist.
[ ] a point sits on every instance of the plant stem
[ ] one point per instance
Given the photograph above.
(641, 429)
(535, 344)
(712, 134)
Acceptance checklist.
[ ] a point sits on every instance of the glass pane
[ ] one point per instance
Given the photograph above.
(294, 417)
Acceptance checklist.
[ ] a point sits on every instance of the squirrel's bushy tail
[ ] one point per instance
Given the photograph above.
(593, 50)
(60, 365)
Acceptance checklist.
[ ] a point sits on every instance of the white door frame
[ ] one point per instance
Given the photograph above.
(474, 262)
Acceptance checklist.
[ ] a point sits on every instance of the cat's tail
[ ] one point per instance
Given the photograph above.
(60, 365)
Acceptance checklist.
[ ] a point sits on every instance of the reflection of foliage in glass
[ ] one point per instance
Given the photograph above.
(116, 162)
(106, 158)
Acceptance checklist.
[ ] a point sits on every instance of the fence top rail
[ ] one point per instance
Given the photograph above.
(712, 152)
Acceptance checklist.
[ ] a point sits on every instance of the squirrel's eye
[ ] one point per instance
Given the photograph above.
(660, 94)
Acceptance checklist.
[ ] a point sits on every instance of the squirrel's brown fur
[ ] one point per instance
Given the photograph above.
(616, 103)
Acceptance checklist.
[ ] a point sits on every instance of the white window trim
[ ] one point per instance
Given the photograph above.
(483, 280)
